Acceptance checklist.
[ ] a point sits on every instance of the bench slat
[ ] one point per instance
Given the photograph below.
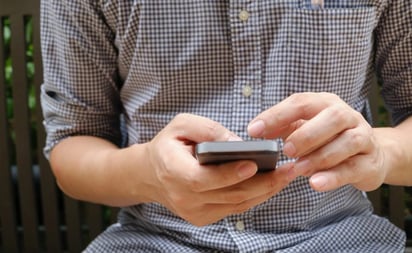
(7, 204)
(397, 205)
(73, 223)
(375, 198)
(27, 195)
(95, 217)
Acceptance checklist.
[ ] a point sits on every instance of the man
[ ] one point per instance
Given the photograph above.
(185, 72)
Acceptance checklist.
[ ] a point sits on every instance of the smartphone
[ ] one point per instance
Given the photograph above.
(264, 153)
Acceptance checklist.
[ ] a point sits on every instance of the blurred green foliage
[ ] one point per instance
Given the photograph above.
(8, 69)
(30, 72)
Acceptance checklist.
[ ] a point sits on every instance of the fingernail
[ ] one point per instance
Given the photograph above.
(319, 182)
(289, 149)
(246, 170)
(256, 128)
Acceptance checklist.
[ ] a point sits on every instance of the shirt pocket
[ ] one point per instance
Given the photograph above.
(327, 50)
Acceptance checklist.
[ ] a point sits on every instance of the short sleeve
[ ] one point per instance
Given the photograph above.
(394, 58)
(80, 93)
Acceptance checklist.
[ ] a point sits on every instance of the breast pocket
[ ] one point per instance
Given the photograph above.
(327, 49)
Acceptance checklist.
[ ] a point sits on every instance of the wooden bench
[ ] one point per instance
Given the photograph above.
(34, 214)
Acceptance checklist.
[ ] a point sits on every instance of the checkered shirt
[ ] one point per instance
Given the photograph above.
(228, 61)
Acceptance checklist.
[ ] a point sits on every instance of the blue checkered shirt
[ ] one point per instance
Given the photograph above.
(229, 61)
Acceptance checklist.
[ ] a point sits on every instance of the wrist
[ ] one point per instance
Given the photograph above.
(395, 158)
(130, 170)
(94, 170)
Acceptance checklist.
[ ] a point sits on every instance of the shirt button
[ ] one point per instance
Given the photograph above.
(247, 91)
(240, 226)
(244, 15)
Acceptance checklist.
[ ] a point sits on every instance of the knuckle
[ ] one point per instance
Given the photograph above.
(212, 127)
(274, 182)
(352, 165)
(271, 182)
(358, 140)
(179, 121)
(337, 179)
(359, 116)
(177, 118)
(307, 138)
(323, 160)
(338, 113)
(298, 100)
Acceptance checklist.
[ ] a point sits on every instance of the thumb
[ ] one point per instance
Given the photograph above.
(199, 129)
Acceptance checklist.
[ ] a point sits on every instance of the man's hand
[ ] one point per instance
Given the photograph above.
(165, 171)
(204, 194)
(333, 144)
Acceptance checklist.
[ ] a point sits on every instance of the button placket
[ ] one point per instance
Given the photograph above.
(240, 226)
(246, 61)
(247, 90)
(244, 15)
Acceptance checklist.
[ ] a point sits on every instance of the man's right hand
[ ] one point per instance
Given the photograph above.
(204, 194)
(165, 171)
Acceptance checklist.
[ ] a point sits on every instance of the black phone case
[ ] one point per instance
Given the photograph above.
(264, 153)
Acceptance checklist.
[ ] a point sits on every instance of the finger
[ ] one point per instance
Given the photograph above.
(288, 130)
(271, 122)
(203, 178)
(217, 206)
(199, 129)
(320, 130)
(258, 185)
(215, 212)
(349, 143)
(360, 171)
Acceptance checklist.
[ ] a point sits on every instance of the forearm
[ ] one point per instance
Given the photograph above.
(397, 146)
(95, 170)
